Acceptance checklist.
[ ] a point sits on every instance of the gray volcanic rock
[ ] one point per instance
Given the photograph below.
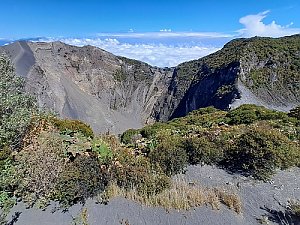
(113, 93)
(108, 92)
(262, 71)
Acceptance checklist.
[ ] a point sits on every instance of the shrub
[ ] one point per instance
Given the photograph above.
(129, 171)
(247, 114)
(203, 111)
(260, 151)
(5, 154)
(295, 113)
(8, 184)
(16, 108)
(127, 136)
(65, 125)
(79, 180)
(169, 154)
(294, 209)
(150, 131)
(202, 150)
(38, 166)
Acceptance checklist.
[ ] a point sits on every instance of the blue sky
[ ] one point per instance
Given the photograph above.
(160, 32)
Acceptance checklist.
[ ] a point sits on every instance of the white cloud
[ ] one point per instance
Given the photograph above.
(165, 30)
(254, 26)
(165, 33)
(164, 48)
(155, 54)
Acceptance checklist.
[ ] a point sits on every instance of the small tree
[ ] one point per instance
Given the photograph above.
(16, 108)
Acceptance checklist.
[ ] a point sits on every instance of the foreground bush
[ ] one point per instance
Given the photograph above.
(39, 165)
(129, 171)
(260, 151)
(169, 153)
(201, 150)
(16, 108)
(79, 180)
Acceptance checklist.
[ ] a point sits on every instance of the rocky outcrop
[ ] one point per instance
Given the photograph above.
(108, 92)
(113, 93)
(261, 71)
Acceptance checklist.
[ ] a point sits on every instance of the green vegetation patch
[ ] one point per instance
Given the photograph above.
(250, 139)
(67, 125)
(44, 158)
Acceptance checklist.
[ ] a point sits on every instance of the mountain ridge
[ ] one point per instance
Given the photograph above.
(113, 93)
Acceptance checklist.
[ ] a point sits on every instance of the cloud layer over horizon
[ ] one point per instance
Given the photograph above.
(155, 53)
(167, 48)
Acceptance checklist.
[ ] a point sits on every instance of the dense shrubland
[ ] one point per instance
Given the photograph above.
(251, 140)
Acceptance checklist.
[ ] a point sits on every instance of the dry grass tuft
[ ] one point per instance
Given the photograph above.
(181, 196)
(231, 200)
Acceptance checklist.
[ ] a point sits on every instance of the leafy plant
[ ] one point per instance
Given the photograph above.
(16, 108)
(103, 151)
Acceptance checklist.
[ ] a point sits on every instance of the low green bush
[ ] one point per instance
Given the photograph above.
(5, 154)
(247, 114)
(150, 131)
(294, 209)
(127, 136)
(65, 125)
(295, 113)
(8, 184)
(136, 172)
(202, 150)
(260, 151)
(79, 180)
(169, 153)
